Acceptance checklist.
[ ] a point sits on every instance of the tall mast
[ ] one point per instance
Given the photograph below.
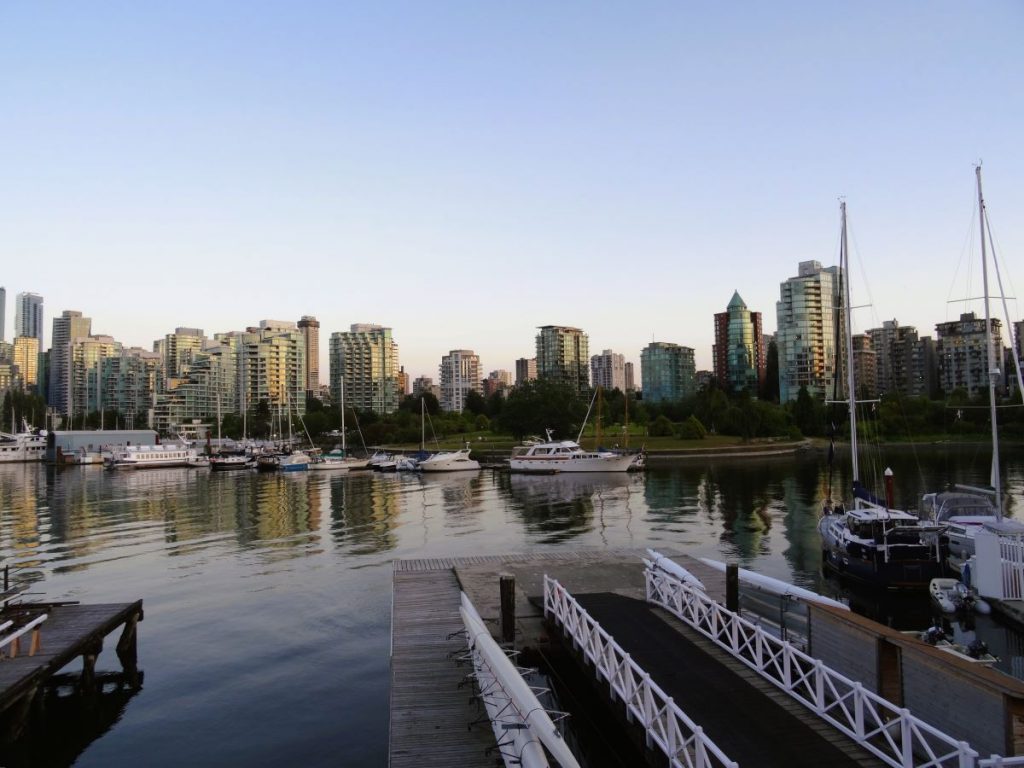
(341, 397)
(993, 371)
(844, 269)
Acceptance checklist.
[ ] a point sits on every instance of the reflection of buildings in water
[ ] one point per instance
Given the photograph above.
(457, 493)
(281, 509)
(672, 495)
(22, 527)
(364, 509)
(565, 505)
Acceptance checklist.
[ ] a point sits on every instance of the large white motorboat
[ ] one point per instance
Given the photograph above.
(449, 461)
(26, 445)
(147, 456)
(567, 456)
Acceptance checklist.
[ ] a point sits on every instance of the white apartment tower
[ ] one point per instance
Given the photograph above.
(608, 371)
(28, 316)
(460, 375)
(366, 356)
(807, 339)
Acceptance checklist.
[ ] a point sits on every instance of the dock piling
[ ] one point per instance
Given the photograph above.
(507, 588)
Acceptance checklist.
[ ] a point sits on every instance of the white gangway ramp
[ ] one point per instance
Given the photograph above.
(521, 725)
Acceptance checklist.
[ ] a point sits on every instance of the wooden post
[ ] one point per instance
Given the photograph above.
(507, 586)
(127, 649)
(732, 587)
(89, 656)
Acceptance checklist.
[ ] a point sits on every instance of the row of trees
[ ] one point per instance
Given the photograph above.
(539, 405)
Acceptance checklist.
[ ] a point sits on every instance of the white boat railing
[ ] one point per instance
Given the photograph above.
(666, 725)
(1011, 554)
(522, 727)
(889, 732)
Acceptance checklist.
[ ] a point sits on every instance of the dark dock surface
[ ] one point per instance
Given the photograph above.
(748, 717)
(68, 632)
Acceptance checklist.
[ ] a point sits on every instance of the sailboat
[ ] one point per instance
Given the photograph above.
(444, 461)
(339, 460)
(869, 542)
(965, 509)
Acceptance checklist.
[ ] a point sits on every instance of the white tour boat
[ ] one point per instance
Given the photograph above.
(27, 445)
(567, 456)
(147, 456)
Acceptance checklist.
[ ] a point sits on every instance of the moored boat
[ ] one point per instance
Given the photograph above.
(449, 461)
(27, 444)
(567, 456)
(148, 456)
(228, 461)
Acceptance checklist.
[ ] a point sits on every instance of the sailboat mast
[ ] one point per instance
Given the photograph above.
(993, 371)
(844, 269)
(341, 397)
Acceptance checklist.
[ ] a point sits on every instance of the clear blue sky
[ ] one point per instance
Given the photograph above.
(465, 172)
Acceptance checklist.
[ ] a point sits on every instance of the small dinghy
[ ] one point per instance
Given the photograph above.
(952, 595)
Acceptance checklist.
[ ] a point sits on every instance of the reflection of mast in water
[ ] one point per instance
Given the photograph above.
(365, 507)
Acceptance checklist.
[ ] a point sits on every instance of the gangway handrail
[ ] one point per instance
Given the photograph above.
(8, 640)
(681, 739)
(517, 716)
(889, 732)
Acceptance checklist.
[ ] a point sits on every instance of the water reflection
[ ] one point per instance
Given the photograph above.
(559, 507)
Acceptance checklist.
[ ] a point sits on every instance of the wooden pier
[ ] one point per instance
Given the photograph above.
(69, 631)
(432, 718)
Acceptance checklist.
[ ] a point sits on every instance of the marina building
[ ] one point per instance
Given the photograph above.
(563, 356)
(668, 372)
(367, 356)
(310, 328)
(808, 331)
(460, 375)
(963, 355)
(608, 370)
(739, 351)
(70, 325)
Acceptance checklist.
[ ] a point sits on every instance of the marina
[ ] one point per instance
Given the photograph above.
(269, 595)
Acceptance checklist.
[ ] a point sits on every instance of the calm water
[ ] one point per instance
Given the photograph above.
(267, 597)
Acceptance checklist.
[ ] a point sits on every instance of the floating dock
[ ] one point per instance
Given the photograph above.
(435, 721)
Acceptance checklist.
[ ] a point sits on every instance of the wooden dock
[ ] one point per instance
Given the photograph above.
(433, 721)
(68, 632)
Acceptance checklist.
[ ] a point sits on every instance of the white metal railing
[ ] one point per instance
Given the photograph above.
(522, 727)
(667, 726)
(10, 643)
(889, 732)
(1011, 554)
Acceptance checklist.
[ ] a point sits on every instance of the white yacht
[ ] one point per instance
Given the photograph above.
(146, 456)
(27, 445)
(449, 461)
(568, 456)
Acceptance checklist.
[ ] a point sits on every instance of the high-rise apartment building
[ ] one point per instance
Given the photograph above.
(85, 366)
(28, 316)
(497, 381)
(26, 359)
(963, 354)
(526, 370)
(367, 357)
(608, 370)
(865, 365)
(70, 325)
(178, 350)
(210, 388)
(425, 384)
(668, 372)
(460, 375)
(563, 356)
(310, 328)
(739, 351)
(129, 385)
(808, 334)
(3, 313)
(271, 362)
(630, 378)
(906, 363)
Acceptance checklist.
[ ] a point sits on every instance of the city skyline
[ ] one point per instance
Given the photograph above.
(465, 175)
